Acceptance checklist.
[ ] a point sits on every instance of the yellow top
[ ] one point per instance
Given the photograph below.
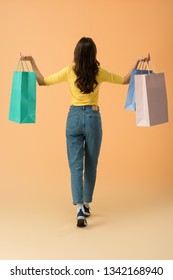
(77, 97)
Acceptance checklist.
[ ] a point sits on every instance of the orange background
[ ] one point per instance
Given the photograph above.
(132, 208)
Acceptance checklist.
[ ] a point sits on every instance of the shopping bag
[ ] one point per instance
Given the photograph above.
(130, 103)
(151, 99)
(23, 96)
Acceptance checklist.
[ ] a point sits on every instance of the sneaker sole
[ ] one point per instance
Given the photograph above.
(81, 223)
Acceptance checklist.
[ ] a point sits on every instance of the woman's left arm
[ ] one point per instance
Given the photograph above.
(39, 76)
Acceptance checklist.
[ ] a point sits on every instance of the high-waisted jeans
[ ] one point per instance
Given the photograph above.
(84, 136)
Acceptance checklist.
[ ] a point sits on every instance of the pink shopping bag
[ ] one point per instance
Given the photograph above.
(151, 99)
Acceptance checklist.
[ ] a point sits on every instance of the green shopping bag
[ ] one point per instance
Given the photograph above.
(23, 96)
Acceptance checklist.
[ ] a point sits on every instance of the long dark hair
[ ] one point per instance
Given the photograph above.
(86, 65)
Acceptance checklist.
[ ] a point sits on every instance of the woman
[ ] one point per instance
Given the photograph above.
(83, 129)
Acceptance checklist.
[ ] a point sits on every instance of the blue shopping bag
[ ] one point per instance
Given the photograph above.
(131, 98)
(23, 97)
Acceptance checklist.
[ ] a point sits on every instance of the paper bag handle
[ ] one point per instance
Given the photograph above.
(146, 63)
(22, 63)
(151, 65)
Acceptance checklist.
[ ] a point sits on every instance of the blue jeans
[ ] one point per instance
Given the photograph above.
(84, 136)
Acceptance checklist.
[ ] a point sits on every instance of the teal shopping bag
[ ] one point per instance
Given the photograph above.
(23, 97)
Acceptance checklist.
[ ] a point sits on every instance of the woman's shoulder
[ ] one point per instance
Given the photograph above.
(101, 71)
(69, 68)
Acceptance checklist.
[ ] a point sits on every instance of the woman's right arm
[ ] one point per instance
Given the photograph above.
(39, 76)
(128, 75)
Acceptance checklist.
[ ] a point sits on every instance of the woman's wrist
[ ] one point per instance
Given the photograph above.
(31, 60)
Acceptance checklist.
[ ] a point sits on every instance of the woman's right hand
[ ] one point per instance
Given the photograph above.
(139, 59)
(142, 59)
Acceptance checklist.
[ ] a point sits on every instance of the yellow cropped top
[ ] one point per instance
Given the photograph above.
(77, 97)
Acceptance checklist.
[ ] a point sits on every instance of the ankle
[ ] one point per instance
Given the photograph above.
(86, 204)
(79, 207)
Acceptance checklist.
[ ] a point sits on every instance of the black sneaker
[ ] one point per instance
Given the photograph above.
(81, 221)
(86, 211)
